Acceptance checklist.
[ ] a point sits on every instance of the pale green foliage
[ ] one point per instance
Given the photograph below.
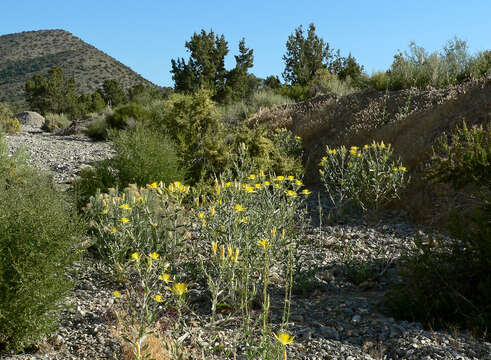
(8, 123)
(54, 122)
(369, 177)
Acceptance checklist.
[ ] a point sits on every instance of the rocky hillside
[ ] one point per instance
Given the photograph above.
(24, 54)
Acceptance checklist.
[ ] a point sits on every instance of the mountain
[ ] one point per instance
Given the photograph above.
(24, 54)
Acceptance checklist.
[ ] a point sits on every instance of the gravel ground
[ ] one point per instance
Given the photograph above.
(332, 318)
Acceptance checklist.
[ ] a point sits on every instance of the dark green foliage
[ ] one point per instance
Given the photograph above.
(127, 115)
(142, 157)
(448, 281)
(92, 103)
(295, 92)
(112, 93)
(205, 67)
(55, 122)
(238, 79)
(38, 239)
(97, 128)
(272, 82)
(101, 176)
(347, 67)
(304, 56)
(56, 93)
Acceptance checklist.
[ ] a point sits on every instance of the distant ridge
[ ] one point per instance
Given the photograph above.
(24, 54)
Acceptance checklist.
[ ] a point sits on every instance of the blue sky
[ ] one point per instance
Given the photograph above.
(146, 35)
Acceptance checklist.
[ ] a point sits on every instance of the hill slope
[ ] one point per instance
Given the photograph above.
(24, 54)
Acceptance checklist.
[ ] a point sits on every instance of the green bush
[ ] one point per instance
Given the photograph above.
(380, 81)
(142, 157)
(127, 116)
(38, 240)
(462, 157)
(97, 129)
(296, 92)
(446, 281)
(368, 177)
(55, 122)
(8, 123)
(324, 82)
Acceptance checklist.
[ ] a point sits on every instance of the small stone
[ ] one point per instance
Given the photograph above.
(356, 319)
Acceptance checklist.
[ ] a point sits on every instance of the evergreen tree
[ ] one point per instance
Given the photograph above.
(205, 67)
(55, 93)
(112, 93)
(239, 81)
(304, 56)
(272, 82)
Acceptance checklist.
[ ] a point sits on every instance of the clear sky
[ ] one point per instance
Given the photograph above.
(147, 34)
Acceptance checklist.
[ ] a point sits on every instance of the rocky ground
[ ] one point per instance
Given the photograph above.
(332, 318)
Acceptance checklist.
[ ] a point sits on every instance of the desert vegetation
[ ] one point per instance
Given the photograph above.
(208, 193)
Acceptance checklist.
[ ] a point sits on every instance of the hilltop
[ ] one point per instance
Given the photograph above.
(24, 54)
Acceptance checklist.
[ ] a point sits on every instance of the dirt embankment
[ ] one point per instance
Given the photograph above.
(410, 120)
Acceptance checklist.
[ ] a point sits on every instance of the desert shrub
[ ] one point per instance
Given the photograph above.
(324, 82)
(54, 122)
(142, 156)
(237, 112)
(192, 122)
(295, 92)
(97, 129)
(446, 280)
(277, 153)
(38, 235)
(8, 123)
(380, 81)
(127, 116)
(368, 176)
(142, 219)
(462, 157)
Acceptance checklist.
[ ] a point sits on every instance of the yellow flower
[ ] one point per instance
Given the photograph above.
(154, 256)
(201, 215)
(350, 164)
(402, 168)
(230, 252)
(273, 231)
(136, 256)
(179, 289)
(140, 199)
(280, 178)
(366, 146)
(212, 211)
(154, 185)
(117, 294)
(218, 190)
(354, 148)
(222, 227)
(243, 220)
(235, 258)
(114, 229)
(203, 222)
(290, 178)
(249, 189)
(158, 298)
(267, 183)
(284, 338)
(165, 278)
(222, 252)
(395, 169)
(228, 184)
(333, 151)
(264, 243)
(291, 193)
(238, 208)
(261, 173)
(298, 183)
(298, 138)
(166, 266)
(252, 176)
(125, 207)
(214, 247)
(353, 152)
(382, 145)
(105, 211)
(125, 220)
(306, 192)
(258, 186)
